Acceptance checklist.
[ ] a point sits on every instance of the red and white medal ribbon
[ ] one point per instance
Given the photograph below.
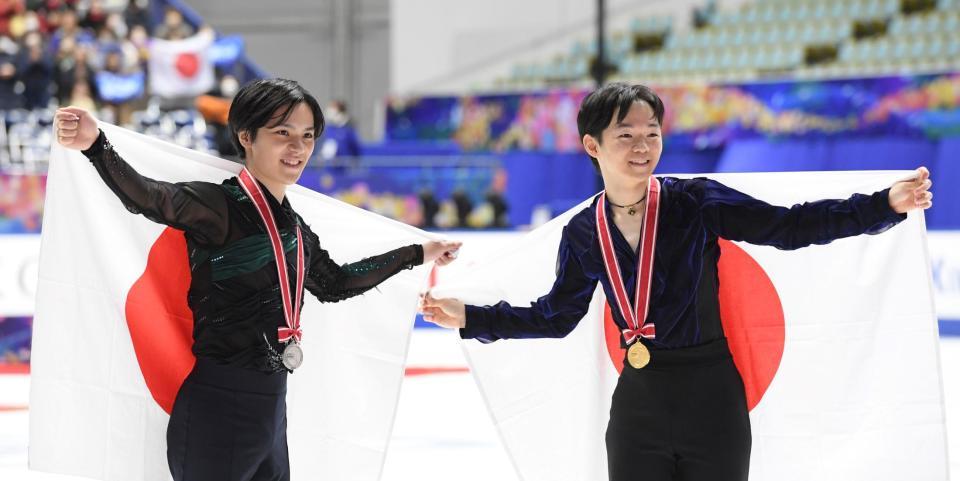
(636, 316)
(291, 310)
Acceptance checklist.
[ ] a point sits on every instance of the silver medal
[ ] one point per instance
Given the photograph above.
(292, 356)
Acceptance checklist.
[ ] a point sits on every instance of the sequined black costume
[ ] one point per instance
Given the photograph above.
(236, 303)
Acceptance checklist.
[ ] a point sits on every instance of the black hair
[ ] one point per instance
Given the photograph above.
(256, 102)
(598, 108)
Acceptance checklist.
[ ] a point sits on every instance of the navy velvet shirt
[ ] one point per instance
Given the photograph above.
(684, 301)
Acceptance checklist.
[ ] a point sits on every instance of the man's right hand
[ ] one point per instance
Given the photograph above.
(448, 312)
(75, 128)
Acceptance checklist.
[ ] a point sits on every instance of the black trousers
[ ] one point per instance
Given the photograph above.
(229, 424)
(683, 417)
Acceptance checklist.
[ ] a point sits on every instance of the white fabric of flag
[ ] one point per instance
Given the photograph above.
(855, 395)
(92, 414)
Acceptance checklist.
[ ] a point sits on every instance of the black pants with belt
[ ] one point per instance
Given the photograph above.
(229, 424)
(683, 417)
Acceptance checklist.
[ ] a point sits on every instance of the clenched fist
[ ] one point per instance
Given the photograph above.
(75, 128)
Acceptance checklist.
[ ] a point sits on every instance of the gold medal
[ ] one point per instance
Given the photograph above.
(638, 355)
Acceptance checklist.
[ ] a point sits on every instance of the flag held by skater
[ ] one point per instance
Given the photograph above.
(112, 330)
(837, 346)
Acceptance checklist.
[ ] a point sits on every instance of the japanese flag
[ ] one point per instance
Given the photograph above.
(837, 345)
(181, 68)
(112, 332)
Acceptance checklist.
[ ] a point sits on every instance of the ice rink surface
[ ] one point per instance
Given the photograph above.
(442, 430)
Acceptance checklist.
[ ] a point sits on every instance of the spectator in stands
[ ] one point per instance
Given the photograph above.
(49, 20)
(36, 72)
(81, 95)
(340, 138)
(9, 9)
(69, 28)
(64, 4)
(173, 26)
(95, 18)
(702, 16)
(137, 15)
(429, 207)
(116, 24)
(138, 39)
(105, 37)
(9, 98)
(463, 204)
(66, 68)
(215, 109)
(499, 207)
(136, 53)
(26, 23)
(114, 86)
(72, 77)
(497, 201)
(55, 11)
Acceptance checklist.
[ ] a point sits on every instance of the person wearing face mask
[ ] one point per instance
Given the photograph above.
(340, 139)
(251, 256)
(215, 109)
(679, 410)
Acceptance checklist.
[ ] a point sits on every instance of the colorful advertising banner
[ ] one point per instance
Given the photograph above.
(697, 115)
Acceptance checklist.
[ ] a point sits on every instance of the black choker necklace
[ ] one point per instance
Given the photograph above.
(629, 207)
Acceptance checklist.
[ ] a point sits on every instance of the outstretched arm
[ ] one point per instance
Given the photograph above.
(331, 282)
(734, 215)
(912, 194)
(198, 208)
(553, 315)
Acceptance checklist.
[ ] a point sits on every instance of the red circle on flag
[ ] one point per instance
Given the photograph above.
(159, 319)
(752, 318)
(187, 64)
